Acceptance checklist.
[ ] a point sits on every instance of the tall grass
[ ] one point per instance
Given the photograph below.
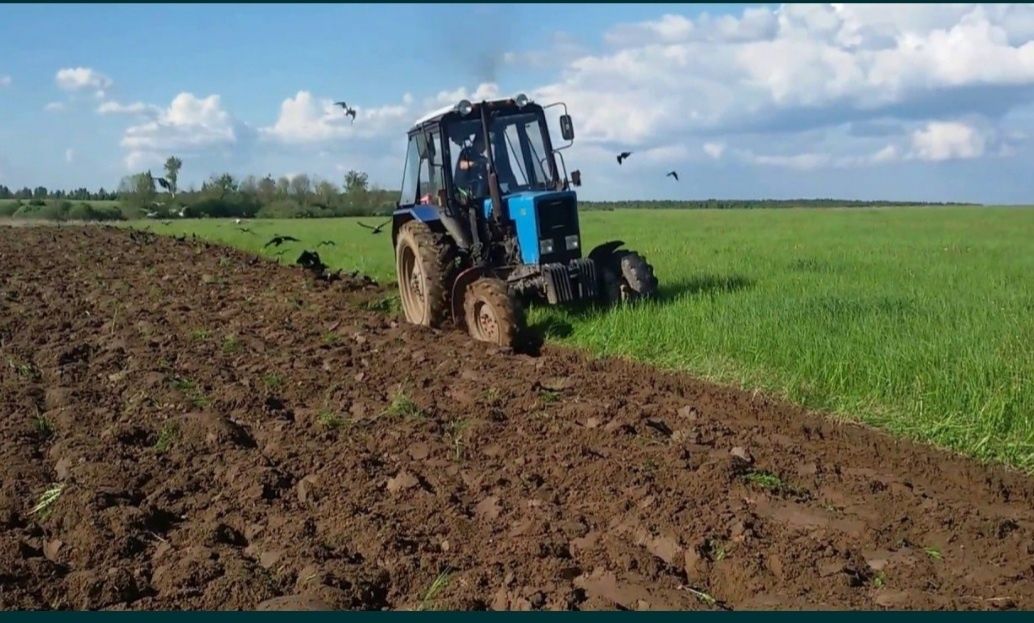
(918, 320)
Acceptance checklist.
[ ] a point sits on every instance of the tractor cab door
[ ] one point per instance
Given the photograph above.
(424, 175)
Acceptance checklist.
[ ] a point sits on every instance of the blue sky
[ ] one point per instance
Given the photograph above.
(931, 102)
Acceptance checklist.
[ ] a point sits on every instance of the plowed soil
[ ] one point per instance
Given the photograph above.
(216, 431)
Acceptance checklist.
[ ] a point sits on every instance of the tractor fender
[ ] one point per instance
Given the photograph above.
(423, 213)
(600, 254)
(434, 218)
(459, 287)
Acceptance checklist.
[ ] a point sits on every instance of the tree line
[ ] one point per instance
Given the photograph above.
(42, 192)
(741, 204)
(146, 195)
(224, 195)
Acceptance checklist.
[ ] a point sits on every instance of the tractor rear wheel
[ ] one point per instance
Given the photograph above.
(491, 313)
(626, 277)
(423, 265)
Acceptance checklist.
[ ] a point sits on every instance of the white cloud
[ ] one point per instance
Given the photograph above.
(69, 155)
(307, 119)
(809, 161)
(796, 67)
(82, 79)
(714, 150)
(560, 45)
(189, 125)
(5, 80)
(947, 140)
(484, 91)
(54, 107)
(112, 107)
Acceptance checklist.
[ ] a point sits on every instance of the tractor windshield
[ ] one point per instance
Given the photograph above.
(519, 150)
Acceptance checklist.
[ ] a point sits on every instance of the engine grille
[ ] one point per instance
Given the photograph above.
(557, 218)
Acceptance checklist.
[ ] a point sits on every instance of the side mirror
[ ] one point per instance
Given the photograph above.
(566, 127)
(576, 178)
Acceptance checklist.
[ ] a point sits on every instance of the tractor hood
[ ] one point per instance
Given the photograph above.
(546, 223)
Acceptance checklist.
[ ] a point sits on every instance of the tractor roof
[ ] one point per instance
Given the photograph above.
(437, 115)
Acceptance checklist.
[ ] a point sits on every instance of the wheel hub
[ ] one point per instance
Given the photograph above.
(416, 282)
(488, 326)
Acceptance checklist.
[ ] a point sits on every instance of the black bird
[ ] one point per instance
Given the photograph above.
(164, 183)
(244, 229)
(166, 222)
(673, 174)
(623, 155)
(329, 243)
(374, 230)
(276, 241)
(312, 261)
(348, 111)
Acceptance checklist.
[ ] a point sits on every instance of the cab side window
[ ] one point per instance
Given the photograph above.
(432, 175)
(410, 175)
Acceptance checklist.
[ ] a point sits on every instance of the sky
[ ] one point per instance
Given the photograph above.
(904, 102)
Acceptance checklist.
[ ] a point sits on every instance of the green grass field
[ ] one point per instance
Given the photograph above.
(918, 320)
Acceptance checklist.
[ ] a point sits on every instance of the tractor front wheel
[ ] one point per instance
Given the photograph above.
(491, 313)
(626, 277)
(423, 261)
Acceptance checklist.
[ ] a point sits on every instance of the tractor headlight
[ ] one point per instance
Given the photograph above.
(464, 107)
(571, 242)
(546, 246)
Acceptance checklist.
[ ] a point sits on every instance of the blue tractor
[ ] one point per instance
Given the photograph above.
(487, 222)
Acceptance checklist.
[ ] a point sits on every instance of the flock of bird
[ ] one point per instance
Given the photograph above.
(625, 154)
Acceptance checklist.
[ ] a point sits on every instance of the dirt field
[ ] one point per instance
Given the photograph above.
(227, 433)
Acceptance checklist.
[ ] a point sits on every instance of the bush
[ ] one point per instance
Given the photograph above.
(284, 208)
(86, 212)
(28, 210)
(9, 208)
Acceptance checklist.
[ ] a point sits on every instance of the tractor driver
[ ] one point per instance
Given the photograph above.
(472, 167)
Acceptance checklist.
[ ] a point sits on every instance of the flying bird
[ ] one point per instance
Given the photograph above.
(673, 174)
(164, 183)
(623, 155)
(166, 222)
(244, 229)
(329, 243)
(276, 241)
(374, 230)
(348, 111)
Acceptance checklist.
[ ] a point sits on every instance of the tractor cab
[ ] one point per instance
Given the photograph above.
(486, 182)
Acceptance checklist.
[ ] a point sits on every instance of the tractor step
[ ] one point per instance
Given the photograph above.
(570, 282)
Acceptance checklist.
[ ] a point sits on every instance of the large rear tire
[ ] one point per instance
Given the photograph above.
(626, 276)
(423, 266)
(491, 313)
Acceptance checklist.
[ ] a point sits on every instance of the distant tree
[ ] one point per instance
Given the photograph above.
(300, 187)
(40, 192)
(137, 191)
(222, 185)
(283, 187)
(266, 190)
(326, 193)
(356, 181)
(172, 172)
